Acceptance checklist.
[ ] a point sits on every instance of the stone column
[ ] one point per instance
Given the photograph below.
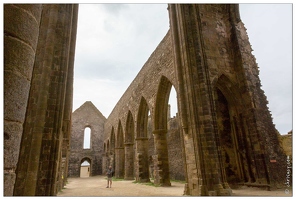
(69, 96)
(129, 161)
(191, 186)
(142, 164)
(21, 31)
(258, 125)
(41, 144)
(104, 162)
(197, 100)
(119, 162)
(161, 163)
(111, 160)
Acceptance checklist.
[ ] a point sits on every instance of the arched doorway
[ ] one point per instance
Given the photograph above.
(235, 142)
(175, 139)
(162, 117)
(85, 168)
(129, 148)
(142, 160)
(119, 152)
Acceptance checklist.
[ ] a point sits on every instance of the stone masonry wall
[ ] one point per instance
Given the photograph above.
(152, 84)
(144, 85)
(86, 115)
(175, 149)
(209, 61)
(225, 132)
(21, 30)
(39, 46)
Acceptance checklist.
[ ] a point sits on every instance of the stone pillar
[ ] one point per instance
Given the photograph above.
(21, 31)
(105, 163)
(161, 163)
(142, 161)
(59, 181)
(64, 172)
(119, 162)
(197, 100)
(111, 160)
(258, 125)
(69, 97)
(41, 144)
(129, 161)
(191, 187)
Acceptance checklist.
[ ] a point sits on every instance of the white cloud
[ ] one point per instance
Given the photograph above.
(269, 27)
(103, 93)
(114, 41)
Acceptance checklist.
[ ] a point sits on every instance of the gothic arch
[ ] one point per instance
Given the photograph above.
(119, 152)
(161, 104)
(112, 141)
(85, 171)
(142, 121)
(129, 128)
(236, 144)
(160, 131)
(230, 90)
(142, 162)
(129, 147)
(108, 147)
(85, 159)
(119, 137)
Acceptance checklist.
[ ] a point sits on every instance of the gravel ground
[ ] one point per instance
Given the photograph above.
(96, 187)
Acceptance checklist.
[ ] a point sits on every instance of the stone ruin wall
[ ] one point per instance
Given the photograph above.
(232, 76)
(227, 58)
(175, 151)
(145, 84)
(39, 49)
(86, 115)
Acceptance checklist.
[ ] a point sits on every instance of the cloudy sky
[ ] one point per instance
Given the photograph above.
(115, 40)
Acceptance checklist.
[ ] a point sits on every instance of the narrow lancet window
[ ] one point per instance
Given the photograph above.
(87, 134)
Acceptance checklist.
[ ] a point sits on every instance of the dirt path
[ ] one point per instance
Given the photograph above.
(96, 186)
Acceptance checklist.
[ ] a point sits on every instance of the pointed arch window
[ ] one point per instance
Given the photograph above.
(87, 136)
(173, 105)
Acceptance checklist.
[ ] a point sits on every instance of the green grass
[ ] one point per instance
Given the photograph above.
(116, 179)
(178, 181)
(152, 184)
(145, 183)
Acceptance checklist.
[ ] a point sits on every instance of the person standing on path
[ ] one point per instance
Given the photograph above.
(109, 176)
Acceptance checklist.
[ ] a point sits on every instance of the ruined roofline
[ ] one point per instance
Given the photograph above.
(141, 70)
(234, 11)
(89, 103)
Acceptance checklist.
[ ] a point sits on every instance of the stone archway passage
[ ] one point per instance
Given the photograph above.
(84, 170)
(205, 42)
(206, 47)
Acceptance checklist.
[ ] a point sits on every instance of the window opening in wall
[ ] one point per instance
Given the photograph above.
(173, 108)
(85, 169)
(87, 134)
(174, 146)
